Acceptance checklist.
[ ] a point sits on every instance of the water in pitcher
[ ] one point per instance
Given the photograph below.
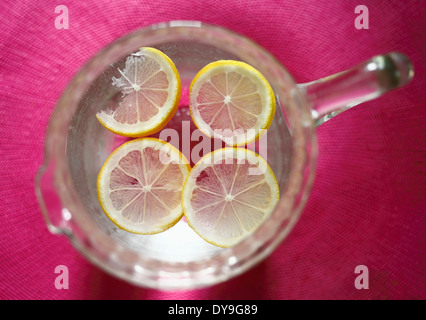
(179, 243)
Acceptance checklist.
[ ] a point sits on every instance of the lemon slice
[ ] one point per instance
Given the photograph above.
(232, 101)
(139, 185)
(150, 87)
(228, 194)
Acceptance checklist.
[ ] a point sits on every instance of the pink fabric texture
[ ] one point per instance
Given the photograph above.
(367, 205)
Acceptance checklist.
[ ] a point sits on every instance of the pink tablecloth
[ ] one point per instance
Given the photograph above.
(367, 205)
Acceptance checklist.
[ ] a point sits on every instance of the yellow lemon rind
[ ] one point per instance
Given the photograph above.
(101, 176)
(185, 198)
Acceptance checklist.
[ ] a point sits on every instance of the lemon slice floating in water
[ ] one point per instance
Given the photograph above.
(139, 185)
(150, 87)
(228, 194)
(231, 100)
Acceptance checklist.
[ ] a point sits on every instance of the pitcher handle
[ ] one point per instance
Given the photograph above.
(331, 95)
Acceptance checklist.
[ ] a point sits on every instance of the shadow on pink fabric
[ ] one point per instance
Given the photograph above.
(367, 205)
